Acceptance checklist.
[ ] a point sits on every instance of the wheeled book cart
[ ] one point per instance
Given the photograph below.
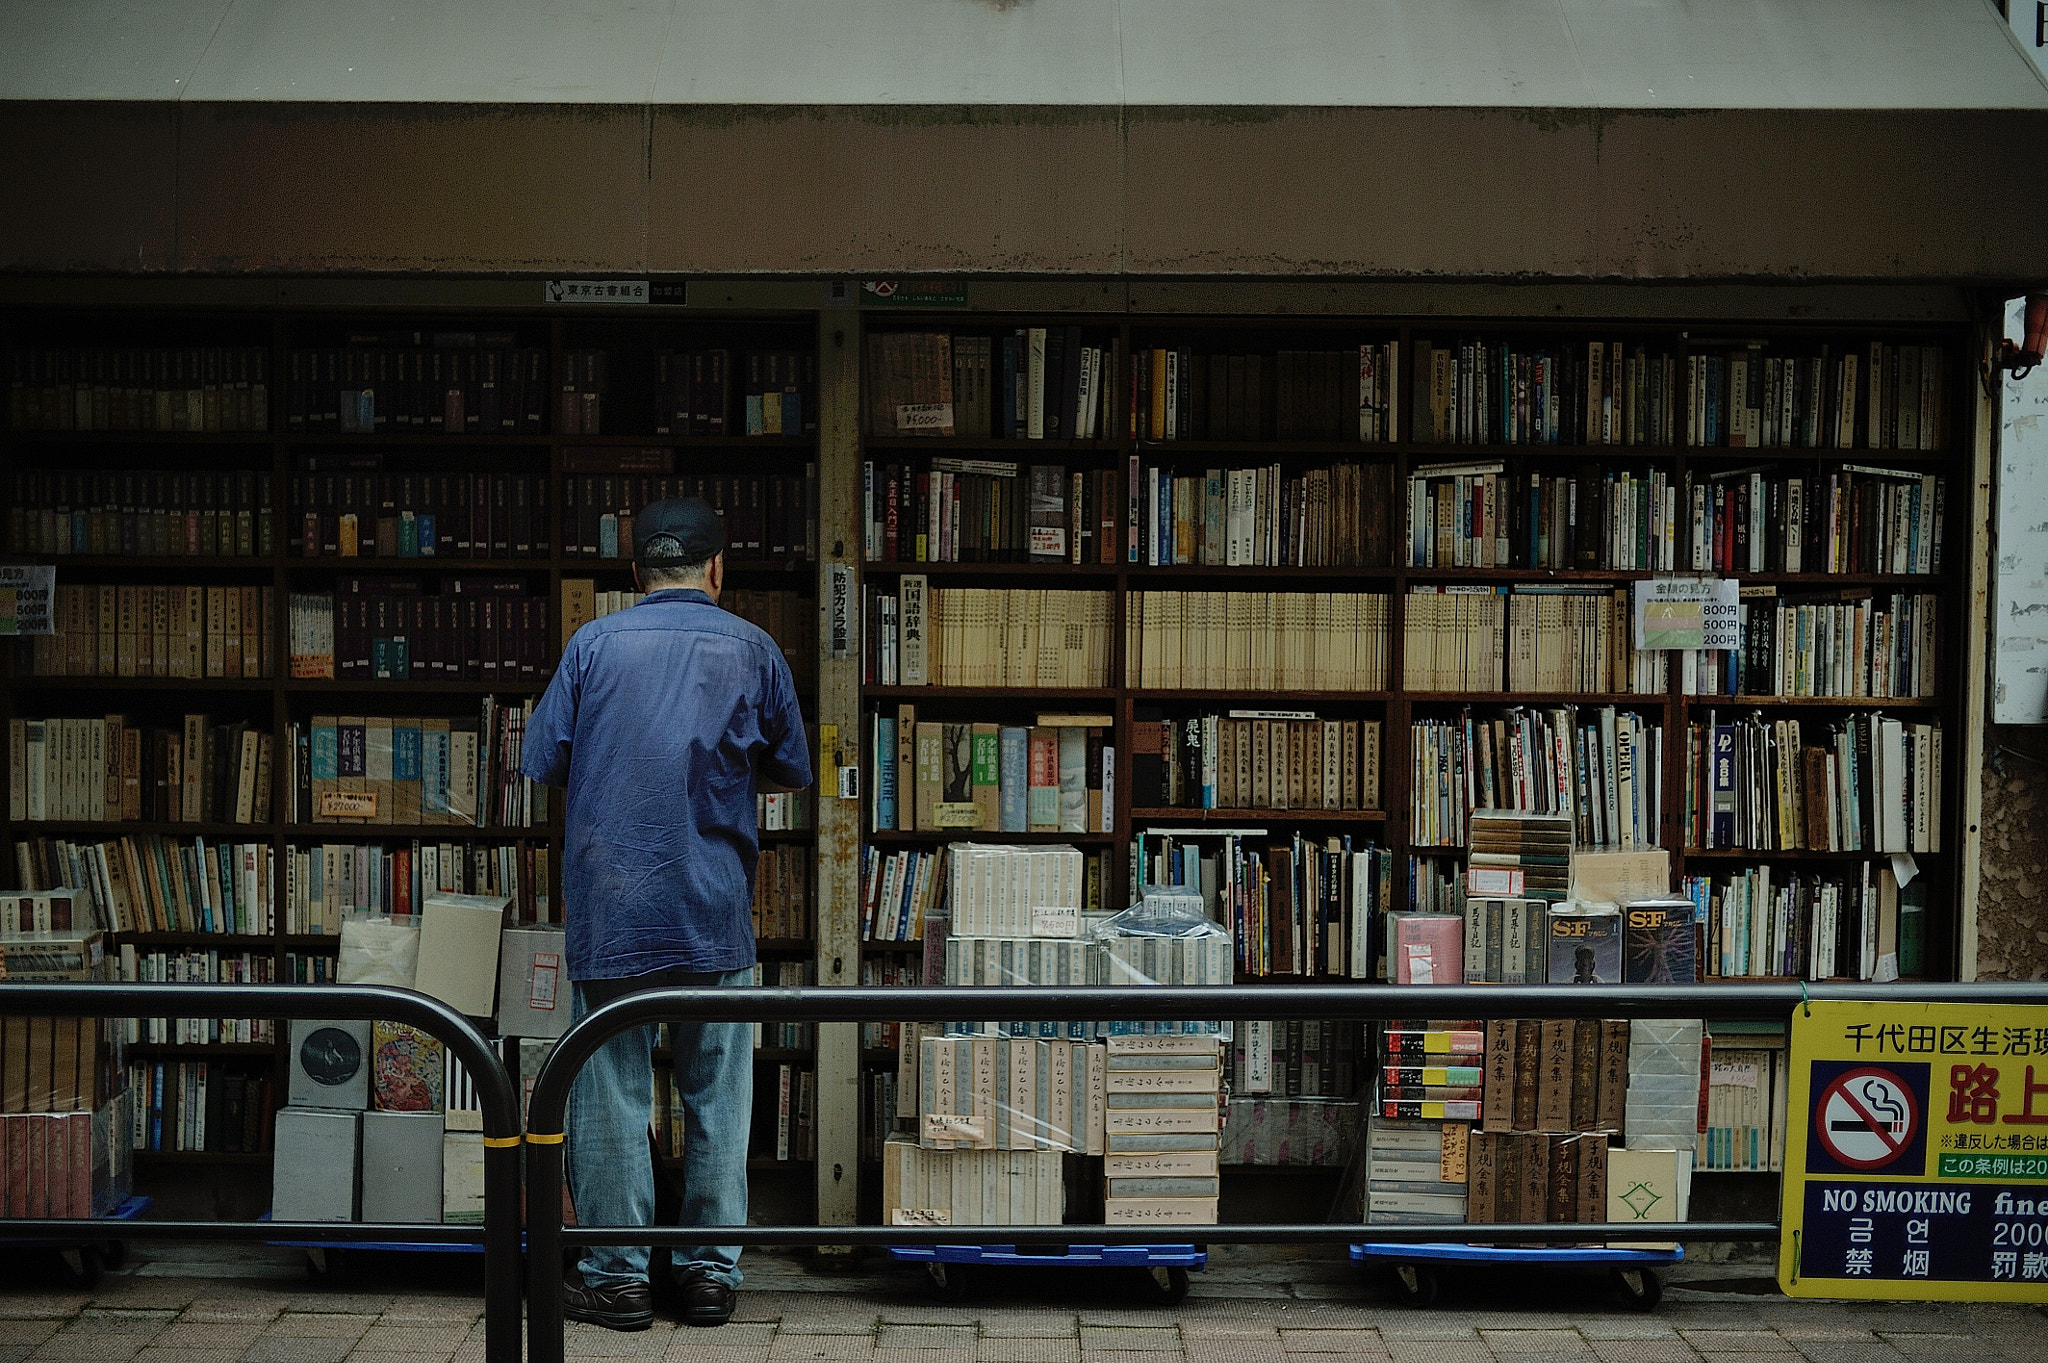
(328, 1260)
(1415, 1266)
(81, 1261)
(1161, 1270)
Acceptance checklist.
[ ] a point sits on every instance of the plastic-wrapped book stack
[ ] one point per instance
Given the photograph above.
(986, 1109)
(1416, 1147)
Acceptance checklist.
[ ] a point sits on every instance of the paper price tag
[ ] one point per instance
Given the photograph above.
(348, 804)
(1055, 922)
(541, 988)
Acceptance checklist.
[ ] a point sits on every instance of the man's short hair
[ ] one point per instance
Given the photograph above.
(664, 556)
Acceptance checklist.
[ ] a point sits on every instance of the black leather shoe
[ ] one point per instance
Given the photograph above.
(705, 1300)
(626, 1306)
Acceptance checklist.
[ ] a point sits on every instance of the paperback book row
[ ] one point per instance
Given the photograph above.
(1055, 776)
(994, 511)
(694, 391)
(986, 636)
(325, 883)
(439, 383)
(396, 630)
(149, 882)
(789, 618)
(123, 388)
(1875, 396)
(1601, 768)
(109, 770)
(109, 630)
(347, 506)
(1748, 1102)
(1254, 759)
(1861, 783)
(1029, 383)
(1321, 395)
(1298, 1058)
(1856, 922)
(137, 964)
(1256, 641)
(905, 892)
(200, 1105)
(771, 516)
(1509, 939)
(1295, 905)
(414, 770)
(785, 1125)
(1084, 962)
(1526, 637)
(1854, 519)
(143, 513)
(1846, 646)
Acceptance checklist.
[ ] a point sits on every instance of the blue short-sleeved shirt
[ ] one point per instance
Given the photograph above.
(658, 720)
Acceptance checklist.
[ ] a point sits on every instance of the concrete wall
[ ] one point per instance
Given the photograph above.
(2012, 904)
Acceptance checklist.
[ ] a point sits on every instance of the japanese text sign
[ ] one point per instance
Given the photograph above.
(1684, 612)
(1916, 1153)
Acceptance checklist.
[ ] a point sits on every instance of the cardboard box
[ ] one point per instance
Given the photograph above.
(459, 936)
(533, 983)
(331, 1065)
(314, 1174)
(402, 1166)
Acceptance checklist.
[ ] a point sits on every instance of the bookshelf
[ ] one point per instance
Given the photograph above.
(1377, 556)
(537, 414)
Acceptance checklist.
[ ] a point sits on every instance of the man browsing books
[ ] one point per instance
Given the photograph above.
(663, 721)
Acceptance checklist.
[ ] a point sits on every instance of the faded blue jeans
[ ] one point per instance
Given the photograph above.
(610, 1176)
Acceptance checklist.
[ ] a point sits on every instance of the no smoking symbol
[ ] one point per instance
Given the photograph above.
(1867, 1117)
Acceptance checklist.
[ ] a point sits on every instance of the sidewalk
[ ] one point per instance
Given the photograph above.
(235, 1304)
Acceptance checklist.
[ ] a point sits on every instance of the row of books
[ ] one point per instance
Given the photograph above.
(920, 1186)
(1112, 961)
(1321, 518)
(887, 972)
(1057, 776)
(1030, 383)
(1850, 923)
(1294, 905)
(785, 906)
(1859, 518)
(441, 383)
(1854, 646)
(788, 617)
(397, 630)
(1509, 940)
(1480, 392)
(345, 506)
(139, 965)
(145, 630)
(767, 516)
(693, 392)
(67, 1165)
(1867, 783)
(1298, 1058)
(1748, 1101)
(989, 511)
(1601, 767)
(1479, 516)
(107, 770)
(878, 1102)
(1528, 637)
(195, 1105)
(405, 769)
(986, 636)
(1254, 759)
(326, 883)
(1256, 641)
(1485, 392)
(152, 882)
(1332, 395)
(1014, 1093)
(143, 513)
(123, 388)
(900, 892)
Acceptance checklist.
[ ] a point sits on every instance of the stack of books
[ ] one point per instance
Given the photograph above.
(1163, 1129)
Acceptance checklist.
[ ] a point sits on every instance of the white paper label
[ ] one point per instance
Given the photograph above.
(1421, 963)
(1055, 922)
(924, 416)
(1688, 612)
(1740, 1074)
(541, 989)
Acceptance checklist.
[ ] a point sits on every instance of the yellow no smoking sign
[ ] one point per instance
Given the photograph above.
(1916, 1153)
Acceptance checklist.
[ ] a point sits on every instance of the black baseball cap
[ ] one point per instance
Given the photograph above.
(695, 528)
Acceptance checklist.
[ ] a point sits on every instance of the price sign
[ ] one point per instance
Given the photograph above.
(1688, 612)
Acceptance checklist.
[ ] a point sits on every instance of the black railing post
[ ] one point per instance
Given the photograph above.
(301, 1001)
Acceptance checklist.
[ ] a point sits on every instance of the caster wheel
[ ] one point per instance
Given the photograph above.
(1162, 1286)
(1415, 1285)
(327, 1266)
(80, 1267)
(116, 1253)
(1641, 1288)
(947, 1282)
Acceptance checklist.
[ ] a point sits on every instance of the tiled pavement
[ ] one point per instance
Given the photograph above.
(209, 1304)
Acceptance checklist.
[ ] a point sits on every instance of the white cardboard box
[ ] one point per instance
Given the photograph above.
(459, 950)
(313, 1177)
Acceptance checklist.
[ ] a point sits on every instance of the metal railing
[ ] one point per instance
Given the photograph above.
(548, 1101)
(499, 1233)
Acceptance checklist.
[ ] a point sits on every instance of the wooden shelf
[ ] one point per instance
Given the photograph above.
(428, 832)
(1153, 573)
(226, 941)
(217, 1050)
(104, 830)
(1240, 699)
(430, 688)
(368, 442)
(148, 1157)
(899, 838)
(777, 835)
(996, 569)
(877, 946)
(1818, 702)
(1169, 814)
(150, 684)
(435, 563)
(1786, 854)
(173, 438)
(154, 563)
(782, 944)
(1044, 696)
(953, 444)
